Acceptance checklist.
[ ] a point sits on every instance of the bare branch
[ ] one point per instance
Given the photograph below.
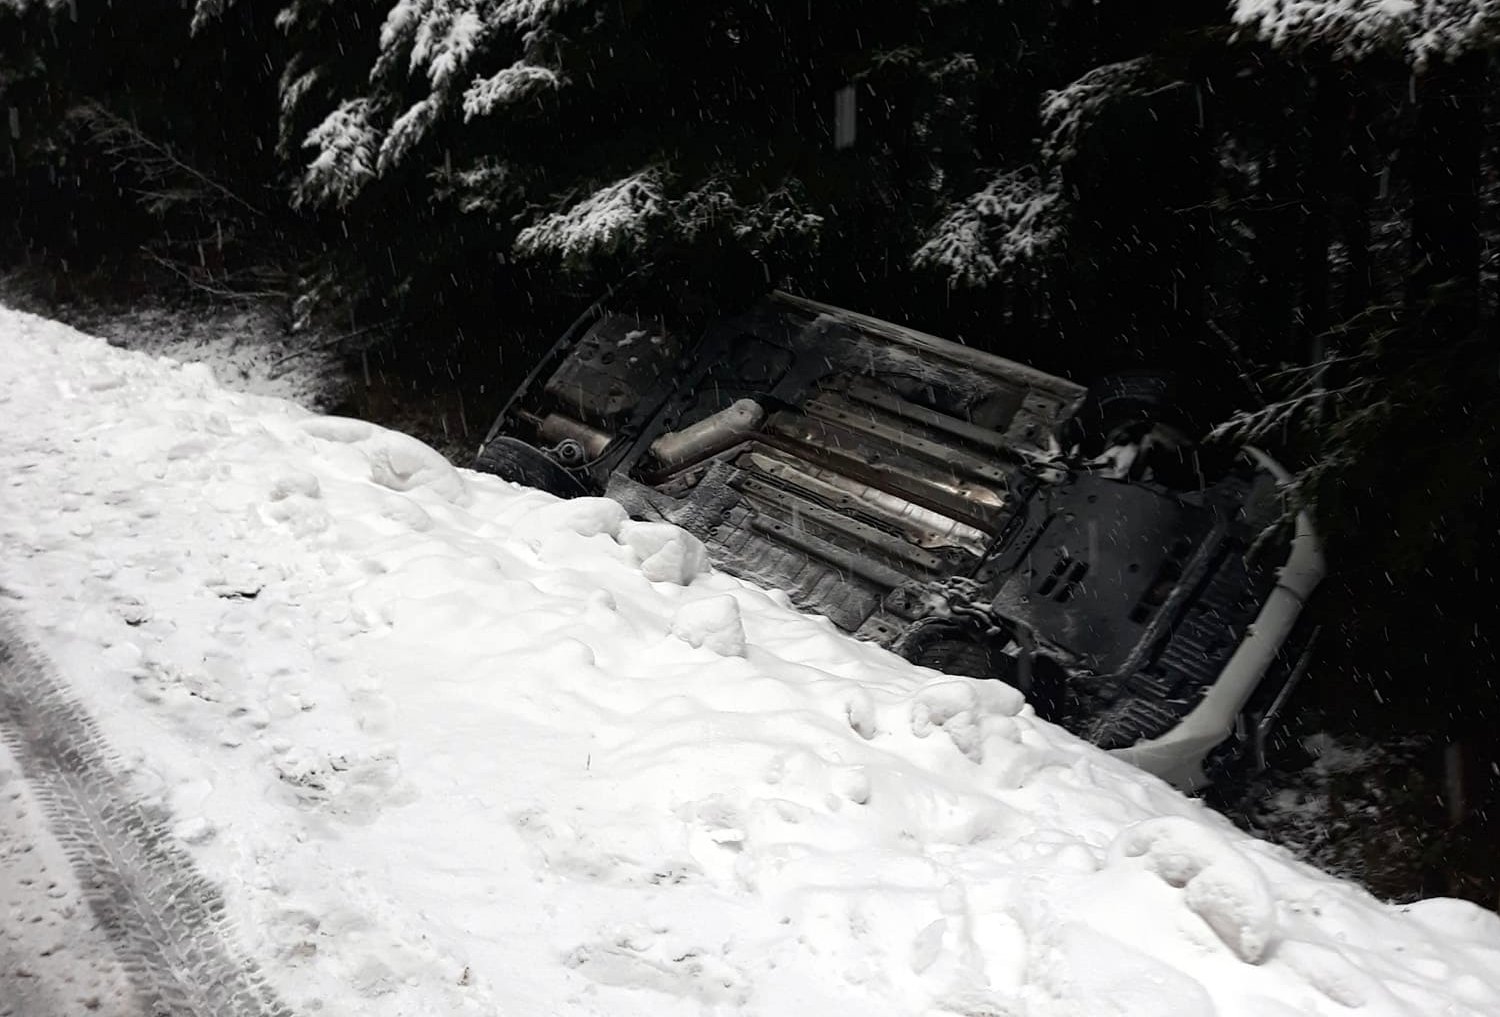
(332, 341)
(168, 178)
(204, 284)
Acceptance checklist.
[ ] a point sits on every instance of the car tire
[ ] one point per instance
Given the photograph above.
(958, 653)
(1123, 408)
(514, 460)
(1118, 404)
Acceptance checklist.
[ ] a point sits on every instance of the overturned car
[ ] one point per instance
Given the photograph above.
(970, 513)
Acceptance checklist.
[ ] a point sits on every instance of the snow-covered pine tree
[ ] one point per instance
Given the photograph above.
(1393, 426)
(1434, 56)
(1079, 136)
(673, 138)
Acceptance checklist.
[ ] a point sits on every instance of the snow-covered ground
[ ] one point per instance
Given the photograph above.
(453, 747)
(1345, 810)
(248, 344)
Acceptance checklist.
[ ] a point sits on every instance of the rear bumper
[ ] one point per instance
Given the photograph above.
(1178, 755)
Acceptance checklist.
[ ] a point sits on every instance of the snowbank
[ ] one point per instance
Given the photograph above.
(456, 747)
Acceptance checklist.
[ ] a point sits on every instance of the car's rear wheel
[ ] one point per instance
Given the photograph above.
(1120, 407)
(959, 652)
(1140, 424)
(514, 460)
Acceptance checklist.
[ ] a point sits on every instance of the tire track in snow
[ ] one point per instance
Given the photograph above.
(167, 923)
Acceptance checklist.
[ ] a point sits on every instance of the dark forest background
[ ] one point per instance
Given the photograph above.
(1294, 206)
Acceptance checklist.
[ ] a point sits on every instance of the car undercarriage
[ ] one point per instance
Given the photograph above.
(968, 512)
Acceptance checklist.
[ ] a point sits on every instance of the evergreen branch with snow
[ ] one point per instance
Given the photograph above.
(205, 11)
(405, 134)
(295, 86)
(1419, 30)
(1013, 219)
(1068, 111)
(1309, 400)
(1343, 417)
(614, 217)
(348, 146)
(516, 83)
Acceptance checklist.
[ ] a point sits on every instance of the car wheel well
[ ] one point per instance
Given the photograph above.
(514, 460)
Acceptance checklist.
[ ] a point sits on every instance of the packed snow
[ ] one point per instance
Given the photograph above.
(451, 747)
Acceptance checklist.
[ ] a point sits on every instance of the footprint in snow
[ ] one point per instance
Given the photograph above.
(632, 959)
(574, 854)
(346, 788)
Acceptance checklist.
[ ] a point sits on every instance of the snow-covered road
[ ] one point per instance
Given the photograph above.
(447, 747)
(157, 917)
(54, 957)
